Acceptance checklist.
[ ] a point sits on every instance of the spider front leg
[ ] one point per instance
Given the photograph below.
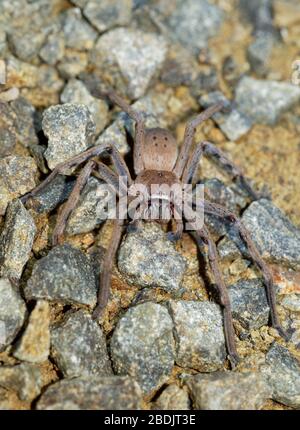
(221, 212)
(107, 265)
(213, 257)
(139, 138)
(60, 168)
(189, 134)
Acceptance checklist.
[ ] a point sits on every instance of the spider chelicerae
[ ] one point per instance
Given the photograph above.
(156, 160)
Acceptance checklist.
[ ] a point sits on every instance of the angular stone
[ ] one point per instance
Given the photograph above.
(264, 101)
(91, 210)
(142, 345)
(76, 92)
(64, 275)
(26, 43)
(228, 391)
(249, 303)
(123, 51)
(17, 177)
(25, 379)
(228, 250)
(26, 118)
(283, 374)
(96, 392)
(172, 398)
(72, 63)
(184, 23)
(199, 335)
(16, 240)
(104, 14)
(78, 346)
(53, 50)
(21, 74)
(78, 33)
(12, 312)
(276, 238)
(259, 52)
(8, 129)
(233, 124)
(148, 259)
(53, 194)
(70, 130)
(34, 345)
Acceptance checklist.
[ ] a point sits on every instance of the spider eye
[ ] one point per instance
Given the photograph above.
(166, 139)
(154, 137)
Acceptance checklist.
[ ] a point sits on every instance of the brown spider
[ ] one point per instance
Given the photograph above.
(156, 161)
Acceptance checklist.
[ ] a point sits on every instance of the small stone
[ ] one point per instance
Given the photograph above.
(25, 379)
(283, 374)
(199, 334)
(291, 302)
(123, 51)
(104, 14)
(34, 345)
(54, 49)
(16, 240)
(64, 275)
(96, 392)
(233, 124)
(228, 250)
(26, 44)
(53, 194)
(17, 177)
(264, 101)
(228, 391)
(148, 259)
(171, 399)
(276, 238)
(91, 210)
(26, 118)
(8, 130)
(249, 303)
(259, 52)
(78, 33)
(78, 346)
(12, 312)
(142, 345)
(21, 74)
(193, 23)
(70, 130)
(258, 12)
(76, 92)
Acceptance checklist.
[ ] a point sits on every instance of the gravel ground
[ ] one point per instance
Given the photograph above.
(161, 344)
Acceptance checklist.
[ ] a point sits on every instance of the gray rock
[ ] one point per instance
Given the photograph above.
(249, 303)
(264, 101)
(228, 391)
(258, 12)
(291, 302)
(142, 345)
(56, 192)
(123, 51)
(26, 118)
(148, 259)
(53, 50)
(259, 52)
(16, 240)
(26, 43)
(70, 130)
(76, 92)
(228, 250)
(283, 374)
(199, 335)
(96, 392)
(34, 345)
(105, 14)
(64, 275)
(193, 23)
(78, 346)
(12, 312)
(17, 177)
(91, 210)
(8, 129)
(78, 33)
(276, 238)
(233, 124)
(25, 379)
(172, 398)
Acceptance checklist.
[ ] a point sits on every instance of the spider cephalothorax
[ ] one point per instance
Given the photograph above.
(157, 161)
